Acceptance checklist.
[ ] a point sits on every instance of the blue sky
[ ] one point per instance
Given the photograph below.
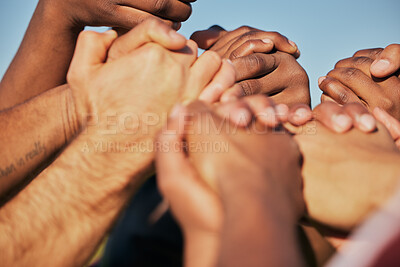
(325, 31)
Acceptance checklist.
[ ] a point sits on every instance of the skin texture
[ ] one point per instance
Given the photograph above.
(45, 125)
(49, 50)
(265, 63)
(74, 202)
(348, 165)
(206, 173)
(353, 80)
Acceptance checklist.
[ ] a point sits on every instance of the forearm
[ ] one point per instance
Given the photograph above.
(42, 60)
(257, 232)
(32, 133)
(61, 217)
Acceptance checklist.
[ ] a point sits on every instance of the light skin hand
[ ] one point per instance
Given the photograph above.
(348, 165)
(49, 50)
(392, 124)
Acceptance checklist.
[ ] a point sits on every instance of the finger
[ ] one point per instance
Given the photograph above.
(207, 38)
(361, 117)
(202, 73)
(264, 109)
(333, 117)
(340, 93)
(188, 55)
(390, 123)
(91, 48)
(167, 9)
(152, 30)
(229, 37)
(251, 47)
(128, 18)
(223, 80)
(326, 98)
(232, 94)
(291, 96)
(359, 83)
(361, 63)
(371, 53)
(281, 43)
(255, 65)
(388, 62)
(300, 114)
(237, 112)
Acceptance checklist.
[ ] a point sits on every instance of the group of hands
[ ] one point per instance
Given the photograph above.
(309, 162)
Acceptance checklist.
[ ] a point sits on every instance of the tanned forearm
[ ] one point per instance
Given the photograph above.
(32, 133)
(62, 216)
(42, 60)
(256, 232)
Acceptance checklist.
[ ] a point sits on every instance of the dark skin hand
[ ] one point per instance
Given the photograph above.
(265, 63)
(49, 49)
(354, 80)
(249, 182)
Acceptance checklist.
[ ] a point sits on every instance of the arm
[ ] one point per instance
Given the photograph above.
(267, 237)
(61, 217)
(42, 60)
(44, 56)
(33, 132)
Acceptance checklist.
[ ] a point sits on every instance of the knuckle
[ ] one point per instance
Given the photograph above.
(343, 96)
(386, 103)
(247, 88)
(393, 47)
(254, 62)
(244, 29)
(214, 57)
(350, 73)
(361, 61)
(161, 6)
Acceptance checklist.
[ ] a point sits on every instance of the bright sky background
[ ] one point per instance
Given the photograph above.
(325, 31)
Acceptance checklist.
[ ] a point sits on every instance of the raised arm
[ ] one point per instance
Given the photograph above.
(43, 58)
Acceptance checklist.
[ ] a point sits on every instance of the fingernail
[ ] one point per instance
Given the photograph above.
(111, 32)
(269, 115)
(321, 80)
(267, 41)
(341, 122)
(301, 113)
(282, 109)
(381, 65)
(242, 116)
(367, 122)
(175, 111)
(293, 44)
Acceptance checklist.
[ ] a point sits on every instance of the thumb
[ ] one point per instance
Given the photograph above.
(389, 122)
(207, 38)
(92, 47)
(387, 63)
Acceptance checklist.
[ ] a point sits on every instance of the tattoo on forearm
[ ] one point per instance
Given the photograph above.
(22, 161)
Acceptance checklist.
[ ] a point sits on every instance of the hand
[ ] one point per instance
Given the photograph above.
(248, 49)
(340, 174)
(352, 81)
(118, 13)
(390, 123)
(195, 205)
(386, 61)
